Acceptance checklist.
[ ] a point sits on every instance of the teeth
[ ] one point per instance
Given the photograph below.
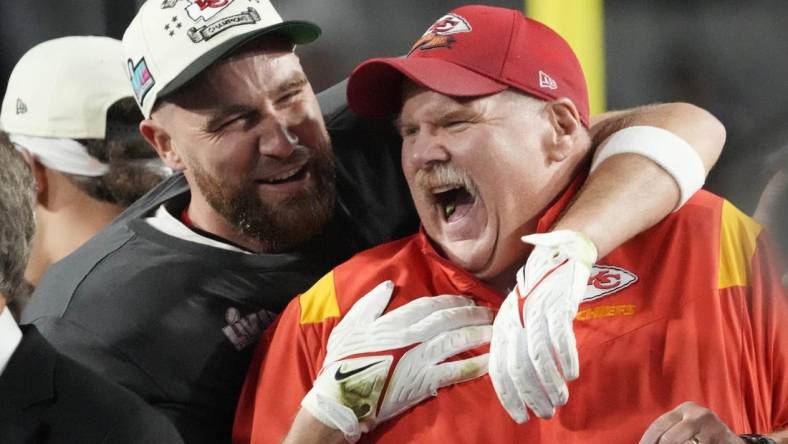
(445, 188)
(448, 210)
(283, 176)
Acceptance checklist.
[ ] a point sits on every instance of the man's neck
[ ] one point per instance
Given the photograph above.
(63, 228)
(204, 218)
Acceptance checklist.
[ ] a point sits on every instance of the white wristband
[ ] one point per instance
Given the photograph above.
(664, 148)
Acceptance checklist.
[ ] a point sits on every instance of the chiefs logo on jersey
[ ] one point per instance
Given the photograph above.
(606, 280)
(439, 34)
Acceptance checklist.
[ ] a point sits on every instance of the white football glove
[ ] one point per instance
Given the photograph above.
(533, 351)
(379, 366)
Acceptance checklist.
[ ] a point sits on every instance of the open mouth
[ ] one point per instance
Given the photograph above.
(454, 201)
(292, 175)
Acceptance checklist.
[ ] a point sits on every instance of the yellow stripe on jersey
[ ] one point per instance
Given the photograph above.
(738, 236)
(319, 302)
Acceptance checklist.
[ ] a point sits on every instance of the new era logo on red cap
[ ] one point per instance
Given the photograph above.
(546, 81)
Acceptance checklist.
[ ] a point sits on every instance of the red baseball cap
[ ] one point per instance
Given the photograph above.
(470, 52)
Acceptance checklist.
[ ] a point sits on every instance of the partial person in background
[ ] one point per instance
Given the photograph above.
(685, 314)
(68, 109)
(45, 397)
(772, 210)
(270, 194)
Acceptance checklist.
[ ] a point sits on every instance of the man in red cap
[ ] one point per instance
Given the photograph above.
(272, 189)
(493, 112)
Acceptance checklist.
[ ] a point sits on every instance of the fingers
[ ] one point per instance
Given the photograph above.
(550, 332)
(371, 305)
(685, 422)
(544, 365)
(566, 347)
(688, 421)
(502, 383)
(561, 325)
(420, 308)
(660, 426)
(546, 308)
(681, 432)
(449, 319)
(416, 377)
(455, 372)
(450, 343)
(524, 377)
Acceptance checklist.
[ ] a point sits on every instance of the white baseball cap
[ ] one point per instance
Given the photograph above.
(62, 88)
(169, 42)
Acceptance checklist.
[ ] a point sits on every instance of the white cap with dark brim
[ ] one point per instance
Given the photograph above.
(169, 42)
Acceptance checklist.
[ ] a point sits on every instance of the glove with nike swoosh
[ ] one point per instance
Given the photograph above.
(379, 366)
(533, 351)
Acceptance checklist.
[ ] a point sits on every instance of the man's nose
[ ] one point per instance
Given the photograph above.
(278, 140)
(427, 149)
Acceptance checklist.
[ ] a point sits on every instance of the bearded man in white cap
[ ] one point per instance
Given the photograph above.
(169, 298)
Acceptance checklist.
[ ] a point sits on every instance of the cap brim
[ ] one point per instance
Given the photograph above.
(375, 87)
(296, 31)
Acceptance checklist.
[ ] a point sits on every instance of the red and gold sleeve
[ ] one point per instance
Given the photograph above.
(750, 271)
(770, 328)
(285, 363)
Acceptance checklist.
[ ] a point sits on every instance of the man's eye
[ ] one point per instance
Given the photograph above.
(234, 121)
(406, 131)
(289, 96)
(228, 123)
(456, 124)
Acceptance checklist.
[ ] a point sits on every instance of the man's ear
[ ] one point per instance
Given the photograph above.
(158, 137)
(39, 175)
(567, 126)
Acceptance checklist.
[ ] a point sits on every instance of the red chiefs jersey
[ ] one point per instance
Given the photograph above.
(690, 310)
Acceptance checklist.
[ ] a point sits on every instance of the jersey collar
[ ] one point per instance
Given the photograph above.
(10, 337)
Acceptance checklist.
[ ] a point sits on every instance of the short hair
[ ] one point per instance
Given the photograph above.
(17, 220)
(134, 167)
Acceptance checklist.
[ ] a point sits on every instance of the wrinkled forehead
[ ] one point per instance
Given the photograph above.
(258, 68)
(509, 97)
(415, 96)
(421, 102)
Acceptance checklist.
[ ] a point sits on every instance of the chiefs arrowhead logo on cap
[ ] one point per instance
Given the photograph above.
(438, 35)
(199, 9)
(606, 280)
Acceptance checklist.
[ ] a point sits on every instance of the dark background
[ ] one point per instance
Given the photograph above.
(728, 56)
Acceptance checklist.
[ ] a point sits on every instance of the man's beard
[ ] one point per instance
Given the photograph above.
(281, 225)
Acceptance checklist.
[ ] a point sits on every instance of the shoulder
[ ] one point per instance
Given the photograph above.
(120, 415)
(338, 290)
(104, 252)
(71, 400)
(728, 235)
(169, 188)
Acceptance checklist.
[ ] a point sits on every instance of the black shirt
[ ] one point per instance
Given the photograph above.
(47, 398)
(174, 320)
